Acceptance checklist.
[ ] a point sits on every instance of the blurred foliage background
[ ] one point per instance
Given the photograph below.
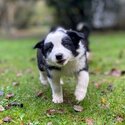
(39, 15)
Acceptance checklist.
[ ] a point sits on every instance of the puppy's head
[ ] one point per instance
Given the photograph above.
(60, 46)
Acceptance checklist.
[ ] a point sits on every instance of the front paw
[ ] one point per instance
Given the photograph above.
(57, 99)
(80, 95)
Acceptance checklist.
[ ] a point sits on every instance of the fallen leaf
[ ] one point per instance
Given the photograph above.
(9, 95)
(1, 93)
(119, 119)
(7, 106)
(54, 111)
(115, 72)
(7, 119)
(39, 94)
(16, 104)
(1, 108)
(51, 111)
(89, 121)
(103, 100)
(78, 108)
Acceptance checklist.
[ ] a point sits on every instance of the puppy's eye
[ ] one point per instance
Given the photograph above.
(48, 47)
(67, 42)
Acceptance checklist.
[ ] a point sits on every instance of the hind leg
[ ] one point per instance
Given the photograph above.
(43, 77)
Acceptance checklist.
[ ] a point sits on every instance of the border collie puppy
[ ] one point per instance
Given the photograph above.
(63, 53)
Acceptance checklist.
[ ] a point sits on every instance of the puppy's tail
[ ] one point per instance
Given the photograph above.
(83, 27)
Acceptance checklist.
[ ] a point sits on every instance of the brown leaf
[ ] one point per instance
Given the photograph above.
(115, 72)
(78, 108)
(7, 106)
(16, 104)
(7, 119)
(54, 111)
(1, 108)
(9, 95)
(89, 121)
(39, 94)
(51, 111)
(119, 119)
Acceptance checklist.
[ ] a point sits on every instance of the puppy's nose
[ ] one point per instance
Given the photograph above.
(59, 56)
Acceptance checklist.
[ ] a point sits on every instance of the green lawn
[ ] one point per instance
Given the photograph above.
(105, 100)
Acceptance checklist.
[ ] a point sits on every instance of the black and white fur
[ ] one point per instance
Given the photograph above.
(63, 53)
(85, 28)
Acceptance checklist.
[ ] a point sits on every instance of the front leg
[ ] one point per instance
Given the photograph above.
(81, 87)
(43, 77)
(57, 94)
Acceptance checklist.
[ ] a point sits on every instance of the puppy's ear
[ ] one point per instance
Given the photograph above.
(39, 45)
(52, 29)
(74, 35)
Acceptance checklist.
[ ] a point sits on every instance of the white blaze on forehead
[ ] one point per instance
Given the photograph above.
(55, 37)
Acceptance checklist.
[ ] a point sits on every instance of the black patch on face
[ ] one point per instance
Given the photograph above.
(48, 48)
(67, 43)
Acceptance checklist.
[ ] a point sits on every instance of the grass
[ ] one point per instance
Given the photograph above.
(101, 106)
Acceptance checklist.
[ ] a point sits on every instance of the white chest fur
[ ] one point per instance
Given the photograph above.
(71, 67)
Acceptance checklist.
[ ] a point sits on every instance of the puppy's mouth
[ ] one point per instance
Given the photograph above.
(61, 62)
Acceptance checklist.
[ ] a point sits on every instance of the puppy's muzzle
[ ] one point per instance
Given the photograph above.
(59, 58)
